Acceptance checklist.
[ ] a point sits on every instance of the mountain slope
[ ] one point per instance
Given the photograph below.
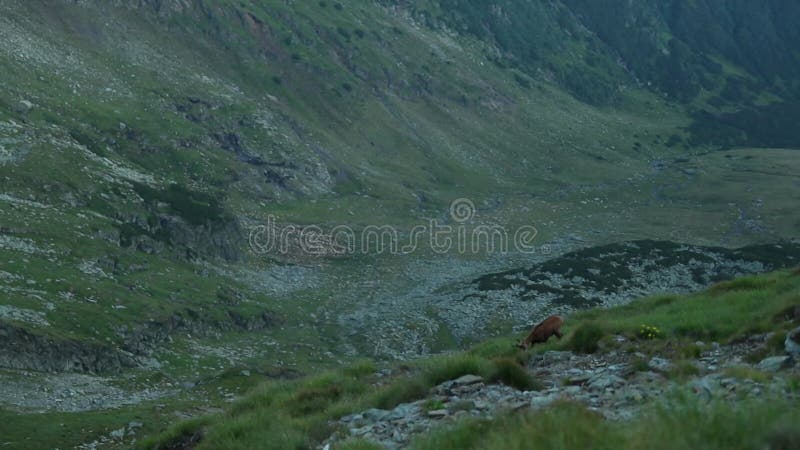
(141, 142)
(664, 363)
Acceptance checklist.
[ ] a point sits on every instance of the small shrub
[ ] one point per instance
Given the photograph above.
(684, 369)
(360, 369)
(776, 341)
(784, 436)
(690, 351)
(586, 338)
(793, 383)
(640, 365)
(402, 391)
(756, 355)
(509, 372)
(648, 332)
(433, 404)
(317, 394)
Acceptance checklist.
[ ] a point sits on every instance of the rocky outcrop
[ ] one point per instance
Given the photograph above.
(24, 349)
(145, 338)
(611, 384)
(606, 274)
(160, 233)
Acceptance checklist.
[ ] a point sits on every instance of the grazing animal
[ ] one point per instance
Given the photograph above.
(542, 332)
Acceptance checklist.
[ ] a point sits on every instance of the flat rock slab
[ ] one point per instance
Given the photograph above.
(467, 380)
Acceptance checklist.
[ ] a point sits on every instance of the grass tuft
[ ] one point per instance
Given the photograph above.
(451, 367)
(402, 391)
(586, 338)
(509, 372)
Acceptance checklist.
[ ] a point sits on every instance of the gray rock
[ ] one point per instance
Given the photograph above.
(352, 418)
(792, 342)
(775, 363)
(703, 387)
(660, 364)
(360, 431)
(481, 405)
(467, 380)
(400, 412)
(541, 402)
(397, 436)
(604, 381)
(554, 355)
(515, 405)
(375, 414)
(438, 413)
(580, 379)
(118, 434)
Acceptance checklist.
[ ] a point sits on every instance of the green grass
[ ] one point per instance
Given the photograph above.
(401, 391)
(747, 373)
(586, 338)
(298, 413)
(512, 372)
(723, 313)
(676, 423)
(135, 95)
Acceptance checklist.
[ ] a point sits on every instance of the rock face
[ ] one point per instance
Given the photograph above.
(605, 383)
(142, 340)
(23, 349)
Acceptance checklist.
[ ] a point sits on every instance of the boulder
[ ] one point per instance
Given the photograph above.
(775, 363)
(660, 364)
(792, 342)
(603, 381)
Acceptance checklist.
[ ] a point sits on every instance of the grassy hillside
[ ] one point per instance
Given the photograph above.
(140, 142)
(297, 414)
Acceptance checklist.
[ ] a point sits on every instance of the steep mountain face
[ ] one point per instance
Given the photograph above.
(734, 63)
(140, 142)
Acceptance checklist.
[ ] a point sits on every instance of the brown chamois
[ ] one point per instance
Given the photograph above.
(542, 332)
